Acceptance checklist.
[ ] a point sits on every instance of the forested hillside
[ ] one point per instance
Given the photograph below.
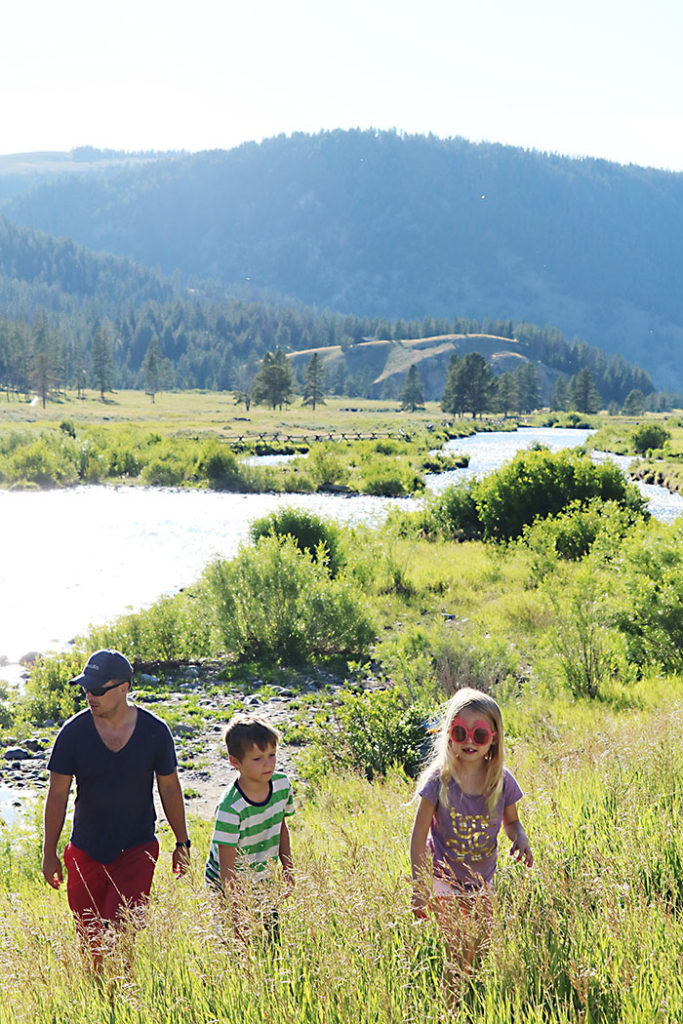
(380, 225)
(67, 309)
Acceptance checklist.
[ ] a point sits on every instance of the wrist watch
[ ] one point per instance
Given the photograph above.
(187, 843)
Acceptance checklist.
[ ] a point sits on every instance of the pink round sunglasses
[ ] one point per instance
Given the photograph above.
(480, 734)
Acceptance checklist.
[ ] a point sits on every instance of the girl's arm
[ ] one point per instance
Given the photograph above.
(520, 848)
(285, 855)
(418, 856)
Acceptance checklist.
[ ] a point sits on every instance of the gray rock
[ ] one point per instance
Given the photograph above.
(144, 677)
(34, 744)
(30, 658)
(16, 754)
(48, 724)
(183, 729)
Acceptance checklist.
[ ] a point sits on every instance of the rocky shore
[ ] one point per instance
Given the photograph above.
(197, 706)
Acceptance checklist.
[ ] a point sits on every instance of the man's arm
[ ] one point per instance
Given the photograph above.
(174, 808)
(53, 822)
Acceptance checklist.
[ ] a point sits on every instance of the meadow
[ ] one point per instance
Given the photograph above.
(574, 621)
(200, 439)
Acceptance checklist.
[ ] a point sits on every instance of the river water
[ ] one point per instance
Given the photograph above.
(83, 556)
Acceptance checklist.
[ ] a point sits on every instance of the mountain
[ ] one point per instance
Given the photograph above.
(58, 290)
(383, 225)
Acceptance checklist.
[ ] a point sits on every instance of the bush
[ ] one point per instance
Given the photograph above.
(165, 470)
(325, 466)
(648, 436)
(276, 601)
(649, 607)
(453, 515)
(218, 465)
(43, 462)
(371, 733)
(572, 533)
(539, 483)
(309, 532)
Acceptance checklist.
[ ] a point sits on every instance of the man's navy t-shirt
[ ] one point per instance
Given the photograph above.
(114, 808)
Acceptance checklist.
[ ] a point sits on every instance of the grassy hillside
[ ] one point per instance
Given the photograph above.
(387, 362)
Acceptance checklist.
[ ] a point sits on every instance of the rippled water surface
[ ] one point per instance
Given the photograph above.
(85, 555)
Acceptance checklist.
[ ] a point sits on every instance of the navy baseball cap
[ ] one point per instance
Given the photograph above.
(101, 667)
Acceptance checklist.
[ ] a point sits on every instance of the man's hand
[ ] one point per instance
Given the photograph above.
(181, 860)
(52, 870)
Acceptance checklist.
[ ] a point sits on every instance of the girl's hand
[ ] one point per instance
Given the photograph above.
(419, 905)
(520, 848)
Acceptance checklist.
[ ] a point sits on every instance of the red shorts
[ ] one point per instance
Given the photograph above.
(100, 892)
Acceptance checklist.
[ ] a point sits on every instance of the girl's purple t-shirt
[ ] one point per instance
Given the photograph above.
(463, 837)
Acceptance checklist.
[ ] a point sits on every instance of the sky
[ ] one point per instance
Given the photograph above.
(587, 78)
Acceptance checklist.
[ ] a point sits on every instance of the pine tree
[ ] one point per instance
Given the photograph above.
(152, 367)
(453, 398)
(412, 395)
(42, 361)
(314, 382)
(560, 396)
(274, 381)
(102, 366)
(479, 383)
(528, 384)
(505, 395)
(583, 394)
(634, 403)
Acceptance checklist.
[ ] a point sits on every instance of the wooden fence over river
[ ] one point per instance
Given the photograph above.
(304, 439)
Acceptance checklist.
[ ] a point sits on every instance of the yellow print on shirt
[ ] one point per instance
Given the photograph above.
(470, 840)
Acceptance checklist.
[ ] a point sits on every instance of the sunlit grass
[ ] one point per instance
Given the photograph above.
(591, 933)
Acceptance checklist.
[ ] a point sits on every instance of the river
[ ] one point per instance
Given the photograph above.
(85, 555)
(82, 556)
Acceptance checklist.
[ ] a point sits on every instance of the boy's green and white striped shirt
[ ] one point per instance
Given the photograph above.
(253, 828)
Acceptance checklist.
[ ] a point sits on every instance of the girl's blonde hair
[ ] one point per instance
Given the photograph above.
(443, 760)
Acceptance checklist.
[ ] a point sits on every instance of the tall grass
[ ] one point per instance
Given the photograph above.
(592, 933)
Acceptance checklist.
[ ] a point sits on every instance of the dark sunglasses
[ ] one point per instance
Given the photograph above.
(480, 734)
(99, 691)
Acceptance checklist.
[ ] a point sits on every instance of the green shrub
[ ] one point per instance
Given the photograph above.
(572, 533)
(218, 465)
(308, 531)
(325, 466)
(43, 462)
(165, 470)
(371, 733)
(452, 515)
(649, 605)
(392, 481)
(539, 483)
(278, 602)
(647, 436)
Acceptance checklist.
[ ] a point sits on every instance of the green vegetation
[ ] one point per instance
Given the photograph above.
(533, 485)
(573, 620)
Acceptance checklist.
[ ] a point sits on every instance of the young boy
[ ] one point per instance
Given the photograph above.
(251, 834)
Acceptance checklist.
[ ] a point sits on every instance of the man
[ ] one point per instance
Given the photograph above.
(115, 750)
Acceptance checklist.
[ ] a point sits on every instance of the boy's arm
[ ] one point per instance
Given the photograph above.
(285, 853)
(227, 857)
(514, 830)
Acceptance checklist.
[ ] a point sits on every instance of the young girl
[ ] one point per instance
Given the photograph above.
(466, 794)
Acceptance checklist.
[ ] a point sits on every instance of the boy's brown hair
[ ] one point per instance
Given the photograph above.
(245, 731)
